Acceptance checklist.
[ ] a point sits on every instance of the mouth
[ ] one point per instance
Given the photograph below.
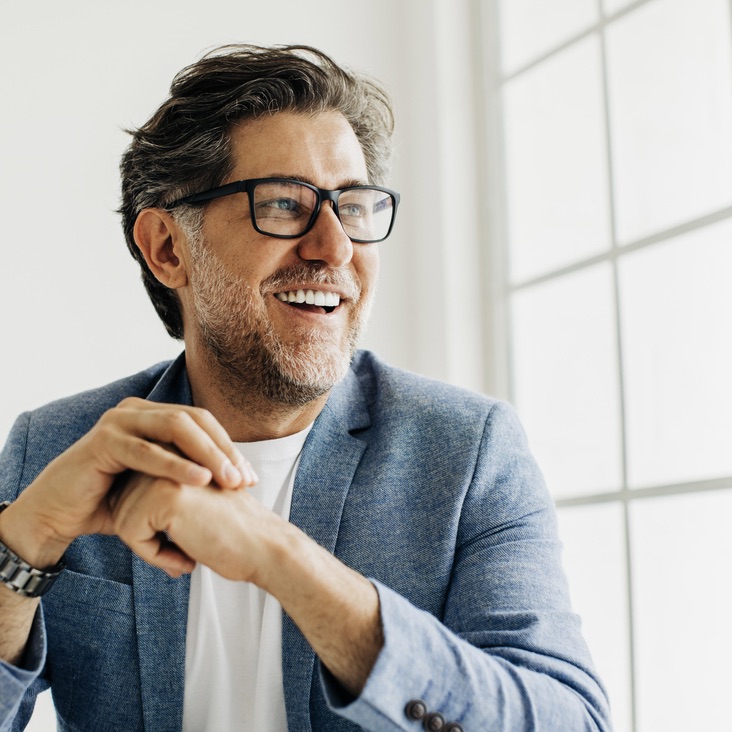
(314, 301)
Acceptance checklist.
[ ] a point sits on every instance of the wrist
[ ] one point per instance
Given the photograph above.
(26, 534)
(283, 551)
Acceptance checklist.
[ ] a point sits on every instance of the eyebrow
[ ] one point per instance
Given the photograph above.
(305, 179)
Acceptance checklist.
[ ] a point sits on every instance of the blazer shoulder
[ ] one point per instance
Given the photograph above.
(400, 389)
(92, 403)
(60, 423)
(38, 436)
(397, 395)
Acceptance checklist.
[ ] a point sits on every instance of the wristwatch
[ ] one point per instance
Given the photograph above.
(20, 577)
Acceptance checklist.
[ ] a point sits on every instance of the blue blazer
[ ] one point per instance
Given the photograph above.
(425, 488)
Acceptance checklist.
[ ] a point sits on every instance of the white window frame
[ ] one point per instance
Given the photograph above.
(498, 326)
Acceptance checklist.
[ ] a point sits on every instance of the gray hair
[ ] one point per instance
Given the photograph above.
(185, 147)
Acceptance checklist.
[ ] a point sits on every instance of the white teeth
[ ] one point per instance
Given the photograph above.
(311, 297)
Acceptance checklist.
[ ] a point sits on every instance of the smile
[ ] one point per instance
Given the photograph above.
(327, 300)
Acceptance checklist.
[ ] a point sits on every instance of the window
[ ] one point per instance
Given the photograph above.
(610, 136)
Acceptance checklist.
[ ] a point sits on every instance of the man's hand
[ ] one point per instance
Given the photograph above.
(176, 505)
(70, 497)
(173, 525)
(74, 494)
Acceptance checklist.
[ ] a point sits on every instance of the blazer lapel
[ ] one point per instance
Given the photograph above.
(329, 461)
(161, 614)
(161, 606)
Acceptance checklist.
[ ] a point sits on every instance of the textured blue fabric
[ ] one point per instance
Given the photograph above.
(427, 489)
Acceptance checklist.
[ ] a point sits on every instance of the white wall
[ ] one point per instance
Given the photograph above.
(73, 313)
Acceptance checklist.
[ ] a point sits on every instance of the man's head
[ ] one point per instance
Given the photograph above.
(186, 147)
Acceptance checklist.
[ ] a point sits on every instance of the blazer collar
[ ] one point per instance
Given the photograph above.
(328, 463)
(161, 605)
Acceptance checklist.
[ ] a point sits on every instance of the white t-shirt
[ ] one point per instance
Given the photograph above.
(233, 675)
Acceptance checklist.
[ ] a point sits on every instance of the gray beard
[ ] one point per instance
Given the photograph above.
(244, 348)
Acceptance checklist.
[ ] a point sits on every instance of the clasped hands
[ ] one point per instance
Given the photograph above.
(168, 481)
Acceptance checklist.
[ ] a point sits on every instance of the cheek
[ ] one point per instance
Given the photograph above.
(244, 277)
(367, 262)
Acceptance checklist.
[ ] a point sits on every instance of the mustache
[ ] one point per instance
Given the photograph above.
(289, 278)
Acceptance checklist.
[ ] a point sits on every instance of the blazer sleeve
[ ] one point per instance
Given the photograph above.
(19, 686)
(507, 653)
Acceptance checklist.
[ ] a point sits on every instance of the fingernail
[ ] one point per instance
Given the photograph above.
(248, 471)
(231, 474)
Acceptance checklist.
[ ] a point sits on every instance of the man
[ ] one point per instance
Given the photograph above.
(400, 524)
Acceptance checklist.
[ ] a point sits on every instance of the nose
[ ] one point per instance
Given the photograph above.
(327, 241)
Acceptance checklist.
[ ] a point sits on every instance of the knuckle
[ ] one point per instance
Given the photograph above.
(105, 430)
(143, 449)
(205, 417)
(178, 421)
(173, 466)
(108, 416)
(202, 412)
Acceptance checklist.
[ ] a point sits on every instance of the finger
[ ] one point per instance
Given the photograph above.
(210, 445)
(142, 508)
(193, 431)
(161, 553)
(221, 439)
(143, 456)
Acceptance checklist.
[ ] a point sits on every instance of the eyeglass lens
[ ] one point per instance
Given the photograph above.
(285, 208)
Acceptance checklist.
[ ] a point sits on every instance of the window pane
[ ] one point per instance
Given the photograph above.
(676, 309)
(610, 7)
(594, 559)
(682, 608)
(532, 27)
(556, 172)
(565, 380)
(670, 75)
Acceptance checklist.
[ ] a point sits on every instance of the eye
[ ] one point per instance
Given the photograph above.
(278, 207)
(353, 211)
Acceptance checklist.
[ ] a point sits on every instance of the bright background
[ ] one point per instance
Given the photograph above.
(563, 242)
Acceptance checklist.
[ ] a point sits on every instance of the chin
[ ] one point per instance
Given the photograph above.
(305, 373)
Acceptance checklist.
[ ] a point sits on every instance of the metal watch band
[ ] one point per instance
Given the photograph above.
(20, 577)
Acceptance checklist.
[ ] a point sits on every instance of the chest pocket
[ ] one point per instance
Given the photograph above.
(93, 664)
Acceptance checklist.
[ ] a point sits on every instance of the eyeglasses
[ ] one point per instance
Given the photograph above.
(287, 208)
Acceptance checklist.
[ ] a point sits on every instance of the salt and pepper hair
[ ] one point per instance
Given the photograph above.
(185, 147)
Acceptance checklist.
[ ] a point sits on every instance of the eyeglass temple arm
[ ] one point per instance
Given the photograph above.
(225, 190)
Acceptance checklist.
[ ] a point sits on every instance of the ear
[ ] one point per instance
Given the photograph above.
(163, 244)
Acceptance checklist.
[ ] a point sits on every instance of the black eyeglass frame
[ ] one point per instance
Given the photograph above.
(323, 194)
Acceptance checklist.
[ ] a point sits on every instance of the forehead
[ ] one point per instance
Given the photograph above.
(322, 149)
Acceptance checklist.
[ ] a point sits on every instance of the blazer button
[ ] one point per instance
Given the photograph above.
(453, 727)
(434, 722)
(416, 709)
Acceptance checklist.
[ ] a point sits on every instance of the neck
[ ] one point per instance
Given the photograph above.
(245, 413)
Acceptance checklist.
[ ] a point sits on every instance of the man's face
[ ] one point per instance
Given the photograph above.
(236, 307)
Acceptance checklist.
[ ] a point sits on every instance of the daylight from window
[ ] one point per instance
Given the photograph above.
(615, 155)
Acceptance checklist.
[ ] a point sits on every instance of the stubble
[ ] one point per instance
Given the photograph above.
(234, 328)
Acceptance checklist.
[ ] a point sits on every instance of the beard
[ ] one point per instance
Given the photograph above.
(234, 327)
